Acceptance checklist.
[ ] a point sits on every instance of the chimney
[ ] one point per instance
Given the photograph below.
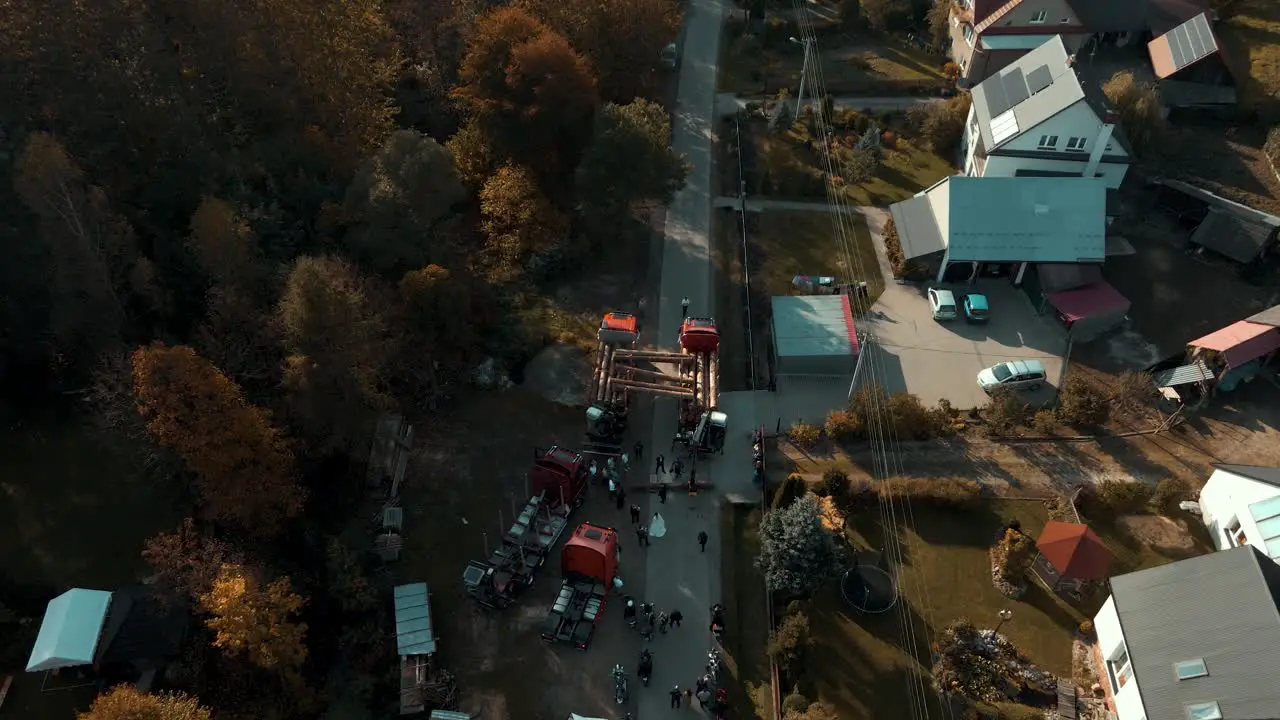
(1100, 145)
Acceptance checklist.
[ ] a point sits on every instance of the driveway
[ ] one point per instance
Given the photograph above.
(933, 360)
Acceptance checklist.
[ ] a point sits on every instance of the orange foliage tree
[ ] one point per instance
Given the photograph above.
(243, 469)
(256, 619)
(185, 561)
(531, 93)
(126, 702)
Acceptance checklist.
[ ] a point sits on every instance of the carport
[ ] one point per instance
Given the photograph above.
(814, 335)
(1237, 352)
(1003, 224)
(1087, 312)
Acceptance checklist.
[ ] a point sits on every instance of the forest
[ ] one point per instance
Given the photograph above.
(235, 233)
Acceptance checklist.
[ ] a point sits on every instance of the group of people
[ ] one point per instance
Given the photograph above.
(644, 617)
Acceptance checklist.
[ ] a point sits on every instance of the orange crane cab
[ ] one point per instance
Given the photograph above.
(699, 336)
(619, 329)
(589, 562)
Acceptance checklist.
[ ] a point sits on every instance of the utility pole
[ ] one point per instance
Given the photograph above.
(807, 43)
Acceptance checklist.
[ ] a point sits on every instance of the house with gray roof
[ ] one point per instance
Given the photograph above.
(1044, 115)
(1197, 639)
(970, 223)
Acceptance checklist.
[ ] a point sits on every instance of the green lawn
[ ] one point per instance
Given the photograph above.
(859, 665)
(789, 167)
(789, 243)
(746, 639)
(1251, 46)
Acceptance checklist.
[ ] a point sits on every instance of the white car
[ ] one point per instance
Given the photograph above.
(1018, 375)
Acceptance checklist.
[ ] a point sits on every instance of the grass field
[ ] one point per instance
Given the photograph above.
(788, 167)
(1251, 45)
(790, 243)
(746, 638)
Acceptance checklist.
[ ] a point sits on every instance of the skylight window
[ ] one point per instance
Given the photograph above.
(1190, 669)
(1003, 127)
(1204, 711)
(1266, 513)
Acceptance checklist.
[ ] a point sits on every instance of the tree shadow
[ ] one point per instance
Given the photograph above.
(1062, 462)
(1134, 460)
(1053, 607)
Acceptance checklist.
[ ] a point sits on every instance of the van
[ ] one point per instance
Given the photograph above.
(1016, 375)
(942, 303)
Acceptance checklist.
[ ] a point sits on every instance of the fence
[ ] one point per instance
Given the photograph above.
(775, 695)
(746, 272)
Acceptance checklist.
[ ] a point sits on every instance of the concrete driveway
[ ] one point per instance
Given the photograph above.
(935, 360)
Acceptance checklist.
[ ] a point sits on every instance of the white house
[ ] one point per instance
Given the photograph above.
(1197, 639)
(1241, 506)
(1042, 116)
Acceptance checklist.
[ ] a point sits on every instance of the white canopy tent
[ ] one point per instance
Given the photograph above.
(576, 716)
(70, 631)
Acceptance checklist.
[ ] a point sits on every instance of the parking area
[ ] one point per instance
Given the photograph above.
(941, 360)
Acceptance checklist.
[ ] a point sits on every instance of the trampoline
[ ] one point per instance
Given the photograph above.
(868, 588)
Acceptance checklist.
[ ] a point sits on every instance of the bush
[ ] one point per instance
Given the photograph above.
(1140, 109)
(1086, 628)
(794, 702)
(911, 419)
(1133, 390)
(1114, 497)
(842, 426)
(861, 165)
(1168, 494)
(940, 125)
(789, 641)
(834, 484)
(886, 16)
(851, 14)
(1044, 422)
(1018, 553)
(1004, 411)
(1081, 404)
(790, 489)
(893, 248)
(804, 435)
(946, 492)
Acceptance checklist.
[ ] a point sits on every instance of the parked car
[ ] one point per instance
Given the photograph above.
(942, 303)
(670, 56)
(1017, 375)
(975, 308)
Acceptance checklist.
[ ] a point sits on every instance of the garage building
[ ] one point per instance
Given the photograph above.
(814, 335)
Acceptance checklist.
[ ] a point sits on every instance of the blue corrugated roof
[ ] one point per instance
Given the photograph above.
(1027, 219)
(70, 630)
(415, 634)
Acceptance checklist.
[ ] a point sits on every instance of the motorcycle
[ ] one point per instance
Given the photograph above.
(717, 621)
(646, 667)
(620, 691)
(713, 665)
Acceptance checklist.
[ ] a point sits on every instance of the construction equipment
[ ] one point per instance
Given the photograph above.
(621, 369)
(559, 485)
(589, 562)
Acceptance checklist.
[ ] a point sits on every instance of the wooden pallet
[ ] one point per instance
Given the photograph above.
(1066, 699)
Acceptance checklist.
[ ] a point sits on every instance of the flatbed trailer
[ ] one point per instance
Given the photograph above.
(514, 564)
(575, 612)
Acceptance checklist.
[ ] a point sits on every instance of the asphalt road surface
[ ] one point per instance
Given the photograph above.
(678, 576)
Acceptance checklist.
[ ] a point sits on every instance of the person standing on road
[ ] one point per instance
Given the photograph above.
(693, 480)
(675, 697)
(702, 540)
(677, 617)
(638, 451)
(621, 497)
(635, 514)
(662, 493)
(677, 467)
(684, 307)
(641, 536)
(626, 463)
(660, 464)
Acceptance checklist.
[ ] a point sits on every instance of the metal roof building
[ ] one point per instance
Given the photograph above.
(1216, 615)
(813, 335)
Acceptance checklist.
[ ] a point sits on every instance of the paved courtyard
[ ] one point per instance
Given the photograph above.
(934, 360)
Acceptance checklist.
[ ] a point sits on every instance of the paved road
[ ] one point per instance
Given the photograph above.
(727, 104)
(755, 204)
(678, 576)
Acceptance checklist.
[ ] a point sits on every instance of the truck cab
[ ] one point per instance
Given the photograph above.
(709, 434)
(589, 562)
(560, 474)
(619, 328)
(699, 335)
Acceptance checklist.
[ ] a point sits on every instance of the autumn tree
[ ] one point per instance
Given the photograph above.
(518, 220)
(186, 562)
(629, 159)
(90, 250)
(529, 91)
(400, 201)
(127, 702)
(240, 338)
(887, 15)
(440, 326)
(622, 39)
(223, 244)
(242, 467)
(1140, 109)
(256, 620)
(337, 345)
(472, 155)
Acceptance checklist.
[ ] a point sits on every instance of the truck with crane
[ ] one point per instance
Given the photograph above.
(558, 482)
(620, 370)
(589, 563)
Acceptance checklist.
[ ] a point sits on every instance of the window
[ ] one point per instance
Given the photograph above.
(1119, 670)
(1110, 147)
(1048, 142)
(1267, 514)
(968, 34)
(1204, 711)
(1236, 536)
(964, 63)
(1064, 21)
(1075, 144)
(1190, 669)
(1039, 17)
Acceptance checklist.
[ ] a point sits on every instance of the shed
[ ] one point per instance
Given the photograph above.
(1239, 343)
(1224, 226)
(71, 630)
(1089, 311)
(1270, 316)
(814, 335)
(415, 633)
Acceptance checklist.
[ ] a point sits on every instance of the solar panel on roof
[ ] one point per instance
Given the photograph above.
(1191, 41)
(997, 98)
(1015, 86)
(1039, 79)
